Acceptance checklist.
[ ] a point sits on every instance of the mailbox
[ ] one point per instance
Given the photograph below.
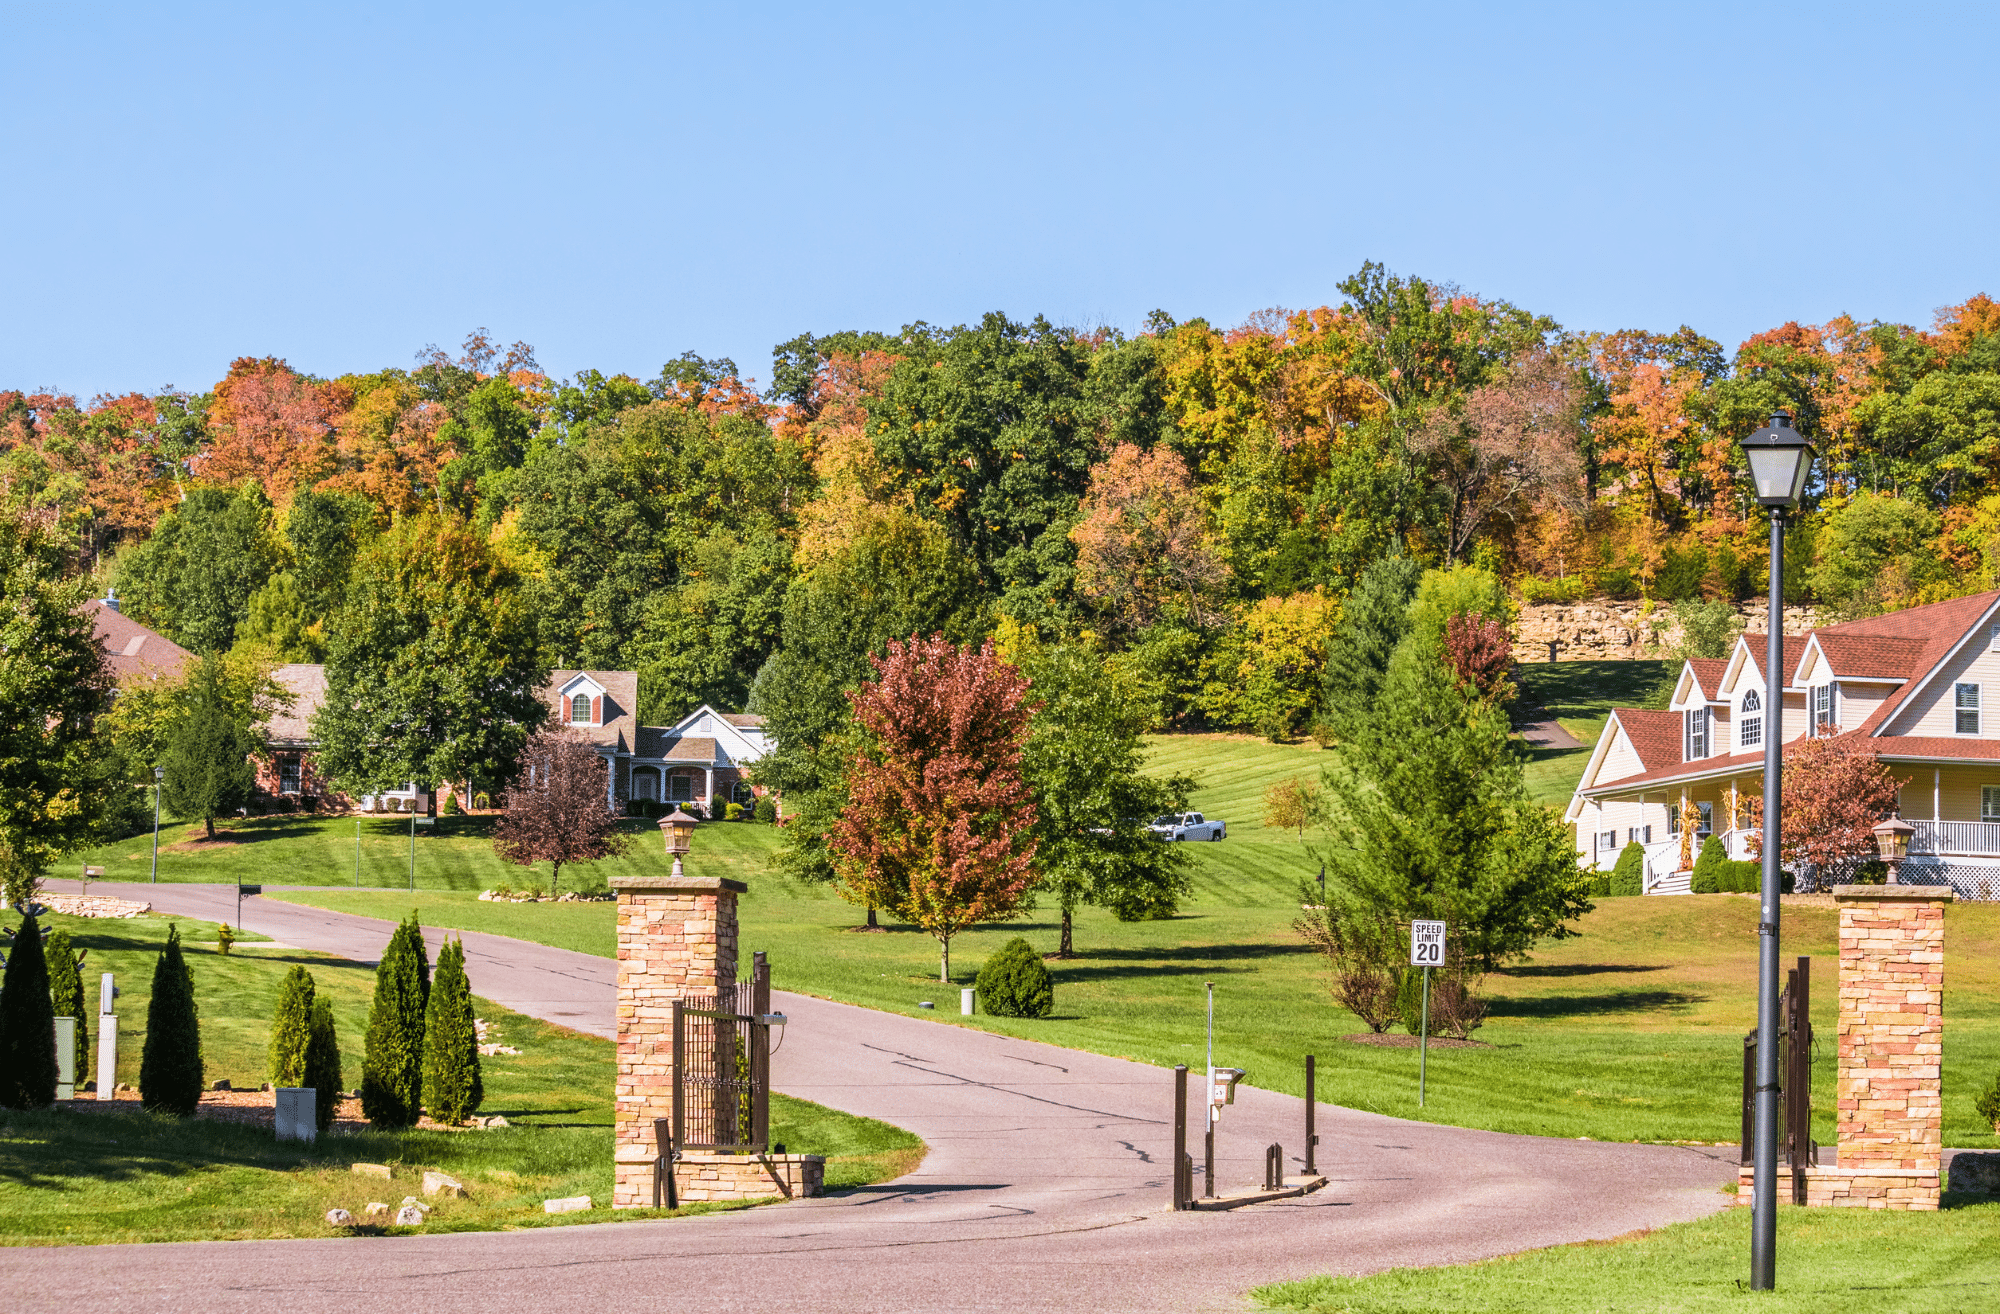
(1222, 1086)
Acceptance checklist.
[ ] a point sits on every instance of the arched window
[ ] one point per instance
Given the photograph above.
(1751, 702)
(579, 708)
(1751, 733)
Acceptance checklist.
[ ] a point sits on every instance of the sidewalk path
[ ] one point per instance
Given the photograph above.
(1045, 1188)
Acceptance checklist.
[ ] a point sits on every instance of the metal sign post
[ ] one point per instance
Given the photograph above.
(416, 821)
(1426, 951)
(241, 890)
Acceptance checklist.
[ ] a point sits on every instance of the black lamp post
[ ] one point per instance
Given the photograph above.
(1780, 463)
(159, 778)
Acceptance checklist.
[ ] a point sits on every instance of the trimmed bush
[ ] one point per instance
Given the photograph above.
(1598, 884)
(732, 812)
(392, 1072)
(1410, 999)
(767, 810)
(1988, 1103)
(27, 1023)
(1628, 874)
(291, 1028)
(1708, 867)
(1744, 877)
(1015, 982)
(452, 1088)
(322, 1066)
(170, 1069)
(65, 966)
(448, 805)
(1873, 872)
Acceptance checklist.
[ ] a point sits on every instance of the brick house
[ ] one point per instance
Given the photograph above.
(1911, 685)
(130, 649)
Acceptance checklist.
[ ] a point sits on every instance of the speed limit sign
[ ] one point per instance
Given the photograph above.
(1426, 944)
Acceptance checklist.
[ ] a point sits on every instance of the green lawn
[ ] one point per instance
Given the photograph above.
(118, 1174)
(1830, 1261)
(1581, 696)
(1630, 1031)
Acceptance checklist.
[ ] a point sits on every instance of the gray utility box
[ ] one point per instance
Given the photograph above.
(298, 1113)
(65, 1058)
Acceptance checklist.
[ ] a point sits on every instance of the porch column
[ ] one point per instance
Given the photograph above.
(1937, 779)
(708, 789)
(610, 781)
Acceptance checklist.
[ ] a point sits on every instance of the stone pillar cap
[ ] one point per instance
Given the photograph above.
(1888, 893)
(682, 884)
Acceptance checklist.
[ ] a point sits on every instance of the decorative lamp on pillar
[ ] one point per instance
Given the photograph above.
(678, 830)
(1780, 463)
(1892, 841)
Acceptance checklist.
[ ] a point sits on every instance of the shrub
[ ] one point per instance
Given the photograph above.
(448, 805)
(767, 810)
(1873, 872)
(452, 1088)
(1455, 1004)
(1708, 867)
(291, 1028)
(732, 812)
(1015, 982)
(484, 802)
(1988, 1103)
(1532, 590)
(1410, 999)
(322, 1066)
(1741, 877)
(170, 1064)
(65, 967)
(1598, 885)
(27, 1023)
(1628, 874)
(392, 1066)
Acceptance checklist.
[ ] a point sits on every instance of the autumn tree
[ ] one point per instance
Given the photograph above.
(558, 808)
(1292, 804)
(939, 824)
(1835, 794)
(1143, 546)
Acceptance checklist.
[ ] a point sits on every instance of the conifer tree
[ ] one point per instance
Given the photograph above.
(452, 1086)
(392, 1067)
(322, 1063)
(170, 1067)
(208, 748)
(27, 1023)
(291, 1027)
(66, 988)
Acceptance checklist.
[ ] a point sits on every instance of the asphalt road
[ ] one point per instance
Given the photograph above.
(1046, 1188)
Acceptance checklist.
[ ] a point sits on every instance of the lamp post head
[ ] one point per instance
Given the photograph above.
(1892, 842)
(159, 774)
(678, 830)
(1780, 461)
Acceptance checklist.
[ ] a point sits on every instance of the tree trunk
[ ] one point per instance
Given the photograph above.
(555, 878)
(210, 823)
(944, 961)
(873, 925)
(1064, 949)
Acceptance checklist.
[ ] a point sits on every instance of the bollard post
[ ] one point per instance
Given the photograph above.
(1312, 1098)
(65, 1058)
(107, 1038)
(1182, 1187)
(965, 1001)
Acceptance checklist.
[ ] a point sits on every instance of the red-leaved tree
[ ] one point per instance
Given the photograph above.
(938, 821)
(1480, 655)
(1835, 793)
(557, 807)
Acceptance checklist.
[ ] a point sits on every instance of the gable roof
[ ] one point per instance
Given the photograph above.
(1870, 656)
(1708, 673)
(129, 647)
(620, 730)
(1792, 647)
(291, 727)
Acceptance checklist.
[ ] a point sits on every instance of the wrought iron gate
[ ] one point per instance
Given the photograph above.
(722, 1067)
(1796, 1146)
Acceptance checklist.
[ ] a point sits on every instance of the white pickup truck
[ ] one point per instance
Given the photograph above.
(1188, 826)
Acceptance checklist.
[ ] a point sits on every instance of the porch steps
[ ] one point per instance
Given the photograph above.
(1680, 882)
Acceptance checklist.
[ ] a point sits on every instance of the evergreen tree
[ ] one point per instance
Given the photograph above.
(208, 748)
(1708, 867)
(1373, 621)
(170, 1068)
(27, 1023)
(66, 988)
(392, 1066)
(452, 1086)
(322, 1063)
(291, 1028)
(1015, 982)
(1628, 874)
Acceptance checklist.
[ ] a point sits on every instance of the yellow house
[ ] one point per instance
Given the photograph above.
(1921, 687)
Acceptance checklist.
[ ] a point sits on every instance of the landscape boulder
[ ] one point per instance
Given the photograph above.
(339, 1218)
(1978, 1173)
(409, 1216)
(381, 1170)
(436, 1183)
(569, 1204)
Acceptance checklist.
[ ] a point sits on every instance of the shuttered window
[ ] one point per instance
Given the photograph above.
(1966, 709)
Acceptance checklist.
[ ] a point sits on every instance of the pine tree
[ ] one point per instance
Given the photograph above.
(291, 1028)
(208, 748)
(1373, 621)
(452, 1086)
(322, 1063)
(66, 989)
(27, 1023)
(392, 1067)
(170, 1067)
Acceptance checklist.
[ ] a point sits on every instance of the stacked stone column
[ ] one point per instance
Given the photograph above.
(1889, 1080)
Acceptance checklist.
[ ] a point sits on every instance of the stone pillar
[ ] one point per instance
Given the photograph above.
(1890, 1083)
(676, 937)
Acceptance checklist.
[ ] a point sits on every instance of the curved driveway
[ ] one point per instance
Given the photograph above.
(1045, 1189)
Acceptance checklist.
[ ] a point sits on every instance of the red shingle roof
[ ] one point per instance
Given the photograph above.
(1655, 736)
(1794, 650)
(1708, 672)
(1862, 656)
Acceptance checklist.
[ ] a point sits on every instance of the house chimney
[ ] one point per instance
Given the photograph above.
(110, 600)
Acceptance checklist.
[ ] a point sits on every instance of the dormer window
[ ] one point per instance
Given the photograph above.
(1822, 708)
(1752, 722)
(1695, 733)
(579, 709)
(1966, 710)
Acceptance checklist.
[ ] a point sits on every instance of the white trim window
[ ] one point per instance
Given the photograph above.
(1965, 710)
(1639, 835)
(1823, 703)
(1993, 639)
(1695, 733)
(1989, 802)
(1607, 841)
(1751, 731)
(579, 709)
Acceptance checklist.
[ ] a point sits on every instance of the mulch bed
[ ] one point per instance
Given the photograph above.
(1397, 1040)
(253, 1108)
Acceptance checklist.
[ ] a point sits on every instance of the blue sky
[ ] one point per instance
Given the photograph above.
(340, 185)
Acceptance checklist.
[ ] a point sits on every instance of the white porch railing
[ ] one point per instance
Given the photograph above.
(1966, 837)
